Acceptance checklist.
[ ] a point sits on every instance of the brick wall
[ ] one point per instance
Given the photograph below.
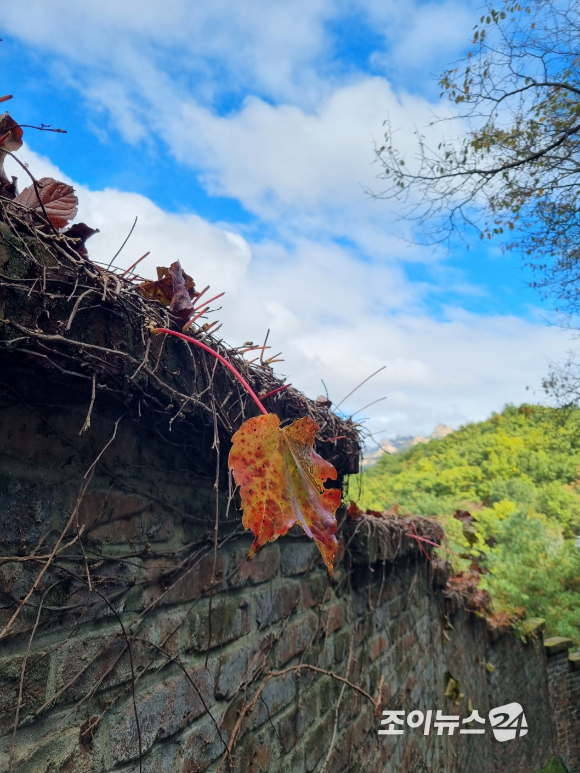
(141, 648)
(564, 686)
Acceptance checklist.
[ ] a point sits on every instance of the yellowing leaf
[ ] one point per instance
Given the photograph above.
(281, 480)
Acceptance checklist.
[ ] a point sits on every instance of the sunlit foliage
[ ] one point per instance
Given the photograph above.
(518, 473)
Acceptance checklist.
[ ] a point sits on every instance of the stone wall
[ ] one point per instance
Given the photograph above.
(147, 642)
(564, 686)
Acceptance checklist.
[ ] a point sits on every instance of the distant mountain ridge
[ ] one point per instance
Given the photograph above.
(403, 443)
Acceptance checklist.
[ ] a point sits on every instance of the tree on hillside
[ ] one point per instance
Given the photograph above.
(509, 168)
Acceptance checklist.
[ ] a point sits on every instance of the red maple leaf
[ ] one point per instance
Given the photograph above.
(281, 480)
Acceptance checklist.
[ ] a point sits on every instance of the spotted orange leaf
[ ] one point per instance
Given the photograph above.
(281, 480)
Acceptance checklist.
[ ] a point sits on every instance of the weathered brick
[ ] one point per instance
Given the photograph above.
(230, 619)
(274, 602)
(314, 589)
(297, 636)
(257, 753)
(203, 742)
(164, 757)
(318, 741)
(377, 646)
(294, 761)
(114, 516)
(84, 661)
(299, 556)
(342, 641)
(206, 575)
(262, 567)
(307, 709)
(163, 709)
(278, 693)
(386, 619)
(233, 666)
(332, 617)
(329, 691)
(34, 684)
(157, 525)
(56, 751)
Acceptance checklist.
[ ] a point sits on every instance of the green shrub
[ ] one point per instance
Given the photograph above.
(518, 473)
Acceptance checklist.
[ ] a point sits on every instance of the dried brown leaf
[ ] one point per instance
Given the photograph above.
(173, 288)
(80, 232)
(59, 200)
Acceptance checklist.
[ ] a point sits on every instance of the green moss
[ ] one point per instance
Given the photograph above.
(555, 765)
(13, 262)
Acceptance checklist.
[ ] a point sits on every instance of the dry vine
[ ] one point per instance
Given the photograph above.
(83, 328)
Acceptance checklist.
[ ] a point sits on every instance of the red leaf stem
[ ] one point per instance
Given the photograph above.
(435, 545)
(274, 391)
(197, 316)
(223, 360)
(197, 297)
(211, 299)
(127, 270)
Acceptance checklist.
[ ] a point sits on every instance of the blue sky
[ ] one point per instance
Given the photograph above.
(241, 135)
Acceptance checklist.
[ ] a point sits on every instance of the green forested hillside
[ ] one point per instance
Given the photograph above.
(518, 473)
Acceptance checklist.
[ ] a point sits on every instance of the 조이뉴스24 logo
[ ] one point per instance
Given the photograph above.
(507, 722)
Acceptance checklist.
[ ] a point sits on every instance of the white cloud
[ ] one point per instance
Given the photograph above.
(271, 156)
(279, 49)
(306, 172)
(264, 46)
(296, 153)
(335, 317)
(422, 38)
(302, 132)
(217, 256)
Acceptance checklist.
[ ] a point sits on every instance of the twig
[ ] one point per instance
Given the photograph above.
(301, 666)
(223, 360)
(264, 349)
(274, 391)
(87, 423)
(136, 263)
(22, 673)
(359, 386)
(273, 674)
(39, 128)
(212, 299)
(36, 583)
(76, 306)
(198, 296)
(337, 708)
(124, 243)
(193, 319)
(104, 448)
(368, 405)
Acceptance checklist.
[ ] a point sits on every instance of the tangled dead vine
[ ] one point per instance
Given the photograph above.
(54, 293)
(85, 328)
(54, 300)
